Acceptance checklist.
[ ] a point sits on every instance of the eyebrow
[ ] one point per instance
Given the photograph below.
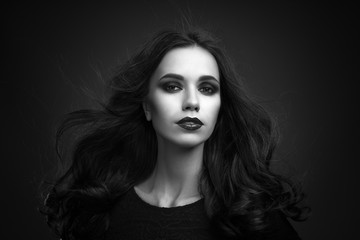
(180, 77)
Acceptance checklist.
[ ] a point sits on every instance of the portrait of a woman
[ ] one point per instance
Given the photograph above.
(178, 151)
(179, 120)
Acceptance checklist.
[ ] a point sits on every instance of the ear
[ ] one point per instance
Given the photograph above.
(147, 111)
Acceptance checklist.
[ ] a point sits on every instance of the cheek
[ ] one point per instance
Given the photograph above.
(163, 107)
(212, 109)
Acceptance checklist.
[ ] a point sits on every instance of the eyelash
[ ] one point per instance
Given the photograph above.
(170, 88)
(173, 88)
(210, 90)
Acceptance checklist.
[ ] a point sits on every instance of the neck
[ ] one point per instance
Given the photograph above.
(175, 178)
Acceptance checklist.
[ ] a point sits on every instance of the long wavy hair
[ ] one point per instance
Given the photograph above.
(116, 148)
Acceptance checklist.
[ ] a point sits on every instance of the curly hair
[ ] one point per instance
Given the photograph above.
(117, 148)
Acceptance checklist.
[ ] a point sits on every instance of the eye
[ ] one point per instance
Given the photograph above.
(208, 90)
(171, 87)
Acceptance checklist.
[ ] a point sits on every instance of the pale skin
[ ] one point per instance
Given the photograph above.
(185, 84)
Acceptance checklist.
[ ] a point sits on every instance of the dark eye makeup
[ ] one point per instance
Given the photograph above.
(171, 87)
(206, 88)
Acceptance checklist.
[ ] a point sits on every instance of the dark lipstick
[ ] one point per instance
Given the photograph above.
(189, 123)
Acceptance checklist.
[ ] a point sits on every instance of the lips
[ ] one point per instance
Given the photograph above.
(189, 123)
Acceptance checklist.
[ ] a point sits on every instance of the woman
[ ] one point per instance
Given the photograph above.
(179, 151)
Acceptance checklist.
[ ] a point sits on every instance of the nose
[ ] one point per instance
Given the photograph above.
(191, 101)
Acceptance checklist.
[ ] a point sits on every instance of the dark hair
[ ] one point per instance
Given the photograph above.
(117, 149)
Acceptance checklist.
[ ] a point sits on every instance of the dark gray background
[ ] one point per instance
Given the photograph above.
(297, 59)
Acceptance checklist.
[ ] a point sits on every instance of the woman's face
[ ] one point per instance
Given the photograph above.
(184, 97)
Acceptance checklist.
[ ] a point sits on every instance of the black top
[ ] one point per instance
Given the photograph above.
(133, 218)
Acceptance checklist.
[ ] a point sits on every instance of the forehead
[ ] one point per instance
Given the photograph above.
(190, 62)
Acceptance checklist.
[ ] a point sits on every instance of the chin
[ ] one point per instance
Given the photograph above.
(183, 139)
(189, 141)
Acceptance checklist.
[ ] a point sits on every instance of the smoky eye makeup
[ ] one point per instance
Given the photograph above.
(209, 88)
(172, 83)
(170, 86)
